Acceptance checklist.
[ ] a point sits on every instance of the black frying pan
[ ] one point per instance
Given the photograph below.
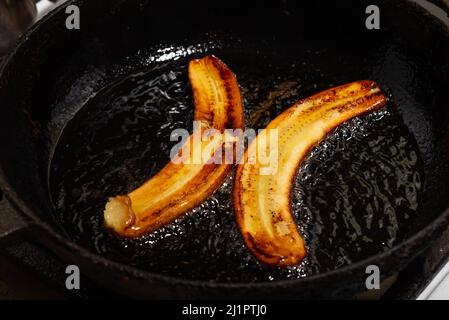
(87, 114)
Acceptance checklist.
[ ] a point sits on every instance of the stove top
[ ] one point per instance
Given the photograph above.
(29, 271)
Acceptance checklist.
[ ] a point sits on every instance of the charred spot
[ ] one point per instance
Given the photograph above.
(252, 243)
(224, 72)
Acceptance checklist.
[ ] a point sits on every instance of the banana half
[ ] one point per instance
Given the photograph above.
(261, 200)
(181, 186)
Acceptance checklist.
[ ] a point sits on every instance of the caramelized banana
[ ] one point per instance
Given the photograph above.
(262, 201)
(183, 185)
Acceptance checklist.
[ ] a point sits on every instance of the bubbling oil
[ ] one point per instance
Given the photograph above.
(354, 196)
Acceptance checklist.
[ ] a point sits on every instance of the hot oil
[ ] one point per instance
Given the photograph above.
(354, 196)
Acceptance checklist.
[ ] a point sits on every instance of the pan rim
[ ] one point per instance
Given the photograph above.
(410, 243)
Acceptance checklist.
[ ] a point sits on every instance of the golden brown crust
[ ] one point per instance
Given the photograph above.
(262, 202)
(179, 187)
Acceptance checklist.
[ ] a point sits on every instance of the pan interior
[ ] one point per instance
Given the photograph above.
(90, 118)
(356, 195)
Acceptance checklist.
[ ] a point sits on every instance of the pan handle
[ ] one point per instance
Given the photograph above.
(12, 223)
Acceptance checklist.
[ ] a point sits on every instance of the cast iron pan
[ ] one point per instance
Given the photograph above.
(87, 114)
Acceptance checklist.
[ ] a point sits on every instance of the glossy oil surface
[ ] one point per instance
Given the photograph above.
(354, 196)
